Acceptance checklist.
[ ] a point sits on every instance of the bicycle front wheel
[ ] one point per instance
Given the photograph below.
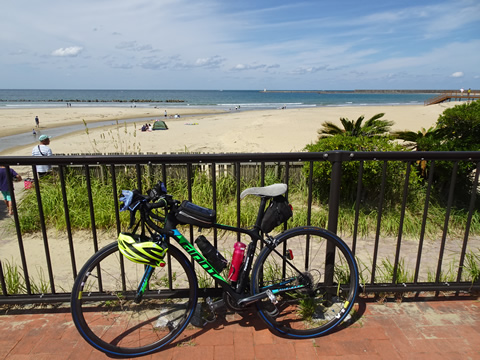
(313, 276)
(108, 316)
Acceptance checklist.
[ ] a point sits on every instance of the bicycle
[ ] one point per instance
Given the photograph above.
(303, 282)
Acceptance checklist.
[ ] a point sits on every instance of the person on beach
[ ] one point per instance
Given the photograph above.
(4, 186)
(37, 121)
(43, 150)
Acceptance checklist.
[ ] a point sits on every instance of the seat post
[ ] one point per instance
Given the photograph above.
(261, 211)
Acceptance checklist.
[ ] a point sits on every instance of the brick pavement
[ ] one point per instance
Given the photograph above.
(427, 329)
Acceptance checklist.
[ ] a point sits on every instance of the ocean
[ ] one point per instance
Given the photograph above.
(217, 99)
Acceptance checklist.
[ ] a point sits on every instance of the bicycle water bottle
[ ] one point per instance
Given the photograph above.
(237, 259)
(211, 254)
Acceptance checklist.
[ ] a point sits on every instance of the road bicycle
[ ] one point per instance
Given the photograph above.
(137, 294)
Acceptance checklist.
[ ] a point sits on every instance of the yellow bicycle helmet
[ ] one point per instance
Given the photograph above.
(141, 249)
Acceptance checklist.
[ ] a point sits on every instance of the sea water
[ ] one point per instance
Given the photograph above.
(216, 99)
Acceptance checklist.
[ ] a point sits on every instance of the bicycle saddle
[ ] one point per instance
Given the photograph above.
(270, 190)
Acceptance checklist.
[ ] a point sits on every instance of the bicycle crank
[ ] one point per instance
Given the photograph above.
(254, 298)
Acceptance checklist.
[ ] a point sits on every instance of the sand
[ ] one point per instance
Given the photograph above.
(208, 132)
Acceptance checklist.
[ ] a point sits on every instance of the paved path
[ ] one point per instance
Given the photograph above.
(438, 329)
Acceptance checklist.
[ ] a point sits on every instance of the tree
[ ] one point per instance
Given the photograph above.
(373, 127)
(418, 141)
(372, 172)
(459, 127)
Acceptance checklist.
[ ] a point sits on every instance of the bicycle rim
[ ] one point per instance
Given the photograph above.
(106, 315)
(321, 278)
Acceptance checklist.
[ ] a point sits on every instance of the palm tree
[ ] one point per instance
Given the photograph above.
(372, 127)
(417, 140)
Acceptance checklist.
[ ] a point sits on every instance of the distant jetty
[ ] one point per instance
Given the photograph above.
(96, 100)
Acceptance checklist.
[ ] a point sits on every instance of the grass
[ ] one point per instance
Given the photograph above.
(472, 266)
(386, 273)
(15, 280)
(202, 190)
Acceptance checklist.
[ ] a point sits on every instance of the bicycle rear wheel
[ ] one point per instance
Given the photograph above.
(106, 315)
(314, 277)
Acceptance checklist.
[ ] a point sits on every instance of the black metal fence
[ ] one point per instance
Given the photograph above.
(443, 259)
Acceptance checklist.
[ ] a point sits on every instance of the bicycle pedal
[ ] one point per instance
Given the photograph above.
(214, 306)
(271, 297)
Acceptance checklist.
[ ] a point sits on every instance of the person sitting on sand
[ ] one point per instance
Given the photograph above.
(4, 186)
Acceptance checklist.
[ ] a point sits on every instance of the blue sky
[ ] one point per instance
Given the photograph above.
(221, 44)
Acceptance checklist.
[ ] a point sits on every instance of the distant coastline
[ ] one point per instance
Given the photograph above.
(359, 91)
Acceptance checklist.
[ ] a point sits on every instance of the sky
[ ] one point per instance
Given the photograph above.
(240, 45)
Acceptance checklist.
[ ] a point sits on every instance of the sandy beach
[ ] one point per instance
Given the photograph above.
(277, 130)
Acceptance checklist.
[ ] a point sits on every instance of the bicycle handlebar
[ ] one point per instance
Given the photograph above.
(156, 198)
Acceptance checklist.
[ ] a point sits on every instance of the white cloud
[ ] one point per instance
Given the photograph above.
(69, 51)
(133, 46)
(211, 62)
(241, 67)
(457, 74)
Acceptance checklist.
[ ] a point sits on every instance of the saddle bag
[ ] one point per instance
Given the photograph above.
(278, 211)
(190, 213)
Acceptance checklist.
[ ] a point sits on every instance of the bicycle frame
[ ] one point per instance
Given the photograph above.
(235, 290)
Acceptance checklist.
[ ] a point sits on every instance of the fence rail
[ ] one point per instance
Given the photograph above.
(429, 259)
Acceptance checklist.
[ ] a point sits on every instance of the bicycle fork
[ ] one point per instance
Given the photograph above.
(143, 284)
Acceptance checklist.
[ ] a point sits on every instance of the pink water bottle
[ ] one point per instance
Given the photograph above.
(237, 259)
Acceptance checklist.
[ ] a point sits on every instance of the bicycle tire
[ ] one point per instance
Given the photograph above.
(108, 318)
(325, 301)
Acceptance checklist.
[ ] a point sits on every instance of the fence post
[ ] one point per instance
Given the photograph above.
(336, 158)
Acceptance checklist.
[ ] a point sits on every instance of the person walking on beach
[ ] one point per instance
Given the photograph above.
(43, 150)
(37, 121)
(7, 197)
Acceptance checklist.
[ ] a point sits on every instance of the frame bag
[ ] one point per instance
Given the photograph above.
(190, 213)
(278, 211)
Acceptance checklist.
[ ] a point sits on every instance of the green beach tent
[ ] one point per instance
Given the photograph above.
(159, 125)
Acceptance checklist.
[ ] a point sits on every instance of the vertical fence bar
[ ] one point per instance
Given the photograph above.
(189, 190)
(138, 172)
(91, 208)
(400, 225)
(357, 207)
(92, 221)
(447, 218)
(262, 173)
(333, 208)
(379, 220)
(310, 193)
(19, 239)
(22, 253)
(334, 197)
(237, 182)
(68, 225)
(117, 220)
(3, 284)
(469, 222)
(115, 197)
(44, 232)
(424, 221)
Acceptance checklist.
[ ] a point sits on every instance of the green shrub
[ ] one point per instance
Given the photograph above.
(372, 172)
